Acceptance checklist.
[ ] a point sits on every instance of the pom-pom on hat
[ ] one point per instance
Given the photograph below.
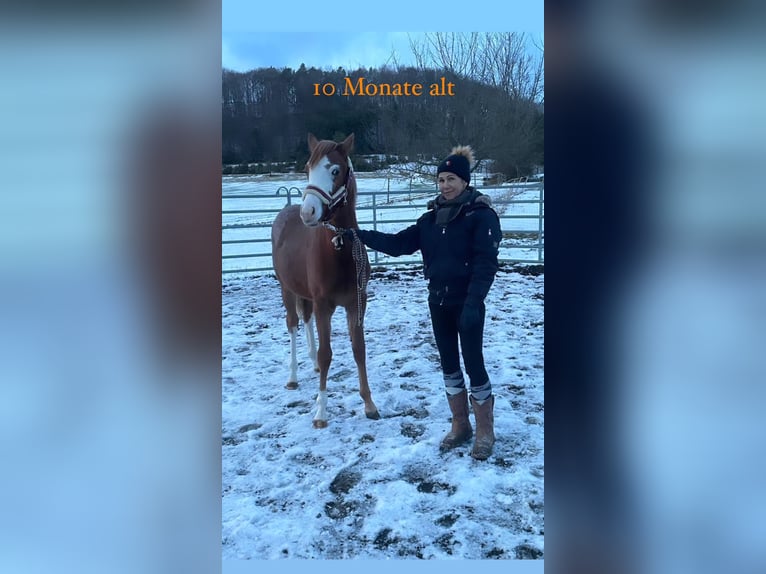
(458, 162)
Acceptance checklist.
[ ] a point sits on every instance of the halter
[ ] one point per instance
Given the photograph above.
(333, 199)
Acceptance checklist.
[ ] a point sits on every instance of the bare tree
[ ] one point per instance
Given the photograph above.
(500, 59)
(503, 123)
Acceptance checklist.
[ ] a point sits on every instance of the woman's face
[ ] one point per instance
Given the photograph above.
(450, 185)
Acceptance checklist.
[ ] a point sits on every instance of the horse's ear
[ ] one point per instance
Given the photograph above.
(312, 142)
(347, 144)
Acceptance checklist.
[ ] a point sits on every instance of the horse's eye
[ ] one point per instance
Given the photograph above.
(335, 171)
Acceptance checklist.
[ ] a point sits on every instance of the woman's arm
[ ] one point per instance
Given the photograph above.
(485, 245)
(405, 242)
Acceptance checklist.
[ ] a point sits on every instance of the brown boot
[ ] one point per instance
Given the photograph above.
(461, 427)
(485, 428)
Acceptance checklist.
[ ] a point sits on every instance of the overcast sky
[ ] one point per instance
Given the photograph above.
(310, 32)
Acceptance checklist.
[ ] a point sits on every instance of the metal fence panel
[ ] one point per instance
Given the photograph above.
(520, 208)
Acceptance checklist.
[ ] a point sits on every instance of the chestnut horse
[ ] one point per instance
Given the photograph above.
(317, 273)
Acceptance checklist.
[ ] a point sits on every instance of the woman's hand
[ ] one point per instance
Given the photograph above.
(348, 235)
(471, 316)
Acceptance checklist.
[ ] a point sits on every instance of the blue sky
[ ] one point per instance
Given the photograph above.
(325, 35)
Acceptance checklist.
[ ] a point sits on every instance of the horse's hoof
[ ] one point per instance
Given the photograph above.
(320, 424)
(374, 416)
(292, 385)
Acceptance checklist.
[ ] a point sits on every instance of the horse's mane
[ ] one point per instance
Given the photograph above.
(323, 148)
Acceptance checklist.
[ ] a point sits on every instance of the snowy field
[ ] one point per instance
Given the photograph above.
(379, 489)
(395, 199)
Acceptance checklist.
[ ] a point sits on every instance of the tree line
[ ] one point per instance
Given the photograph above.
(497, 106)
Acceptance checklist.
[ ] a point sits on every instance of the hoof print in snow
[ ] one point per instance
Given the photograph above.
(433, 487)
(412, 431)
(537, 505)
(366, 438)
(446, 542)
(502, 462)
(251, 426)
(527, 552)
(344, 481)
(407, 375)
(338, 509)
(495, 553)
(341, 375)
(303, 407)
(448, 520)
(384, 539)
(232, 440)
(308, 459)
(414, 474)
(420, 413)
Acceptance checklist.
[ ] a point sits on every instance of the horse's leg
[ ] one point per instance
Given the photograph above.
(308, 321)
(312, 342)
(292, 327)
(323, 314)
(360, 356)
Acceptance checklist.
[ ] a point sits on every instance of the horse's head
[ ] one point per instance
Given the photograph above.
(330, 175)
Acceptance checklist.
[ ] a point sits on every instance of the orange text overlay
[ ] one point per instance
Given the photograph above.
(361, 87)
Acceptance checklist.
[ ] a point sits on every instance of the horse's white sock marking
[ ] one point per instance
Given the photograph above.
(293, 356)
(321, 414)
(311, 340)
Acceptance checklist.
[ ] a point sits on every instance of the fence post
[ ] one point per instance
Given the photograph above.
(540, 224)
(375, 218)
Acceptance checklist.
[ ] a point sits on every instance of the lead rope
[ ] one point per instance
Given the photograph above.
(357, 253)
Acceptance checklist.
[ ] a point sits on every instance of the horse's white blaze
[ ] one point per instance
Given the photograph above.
(293, 356)
(311, 341)
(319, 176)
(321, 414)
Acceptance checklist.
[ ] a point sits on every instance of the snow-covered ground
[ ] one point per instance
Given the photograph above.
(395, 199)
(379, 489)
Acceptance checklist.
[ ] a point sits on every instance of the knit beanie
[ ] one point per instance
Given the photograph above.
(458, 162)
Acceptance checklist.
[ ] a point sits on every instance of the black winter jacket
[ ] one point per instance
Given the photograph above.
(459, 258)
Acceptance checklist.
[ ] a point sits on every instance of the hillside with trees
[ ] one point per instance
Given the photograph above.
(497, 105)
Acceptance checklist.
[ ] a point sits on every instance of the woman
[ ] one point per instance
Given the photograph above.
(459, 238)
